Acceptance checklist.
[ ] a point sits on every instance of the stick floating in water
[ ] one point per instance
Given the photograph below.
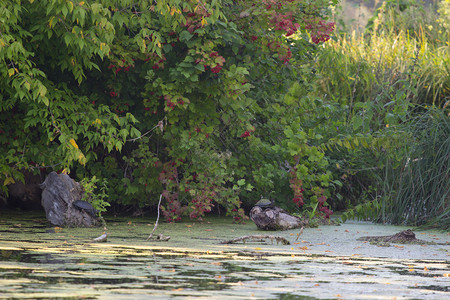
(101, 239)
(257, 237)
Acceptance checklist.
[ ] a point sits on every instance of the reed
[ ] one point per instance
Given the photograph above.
(392, 83)
(355, 66)
(420, 189)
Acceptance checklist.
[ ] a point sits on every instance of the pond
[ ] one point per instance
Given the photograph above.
(38, 261)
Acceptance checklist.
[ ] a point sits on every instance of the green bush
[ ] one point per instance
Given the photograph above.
(165, 97)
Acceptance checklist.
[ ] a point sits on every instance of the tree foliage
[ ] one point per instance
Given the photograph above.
(183, 98)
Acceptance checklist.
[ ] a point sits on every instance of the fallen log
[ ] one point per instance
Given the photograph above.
(402, 237)
(161, 238)
(257, 238)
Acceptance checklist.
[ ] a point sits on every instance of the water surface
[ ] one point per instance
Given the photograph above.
(38, 261)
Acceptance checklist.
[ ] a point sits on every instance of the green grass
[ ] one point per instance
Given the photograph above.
(356, 68)
(392, 84)
(423, 184)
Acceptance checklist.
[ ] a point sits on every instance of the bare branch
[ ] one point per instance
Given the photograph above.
(157, 219)
(258, 238)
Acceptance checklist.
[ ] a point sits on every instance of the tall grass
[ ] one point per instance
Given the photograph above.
(420, 190)
(357, 66)
(393, 86)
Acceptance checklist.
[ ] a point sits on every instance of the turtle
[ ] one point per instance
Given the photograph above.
(86, 206)
(265, 203)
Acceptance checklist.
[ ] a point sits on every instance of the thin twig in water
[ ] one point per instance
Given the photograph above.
(300, 233)
(101, 239)
(157, 219)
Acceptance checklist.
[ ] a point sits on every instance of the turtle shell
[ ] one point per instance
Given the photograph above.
(86, 206)
(264, 203)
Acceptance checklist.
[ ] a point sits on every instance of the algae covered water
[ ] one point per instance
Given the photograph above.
(38, 261)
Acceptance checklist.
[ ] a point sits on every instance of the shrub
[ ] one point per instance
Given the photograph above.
(174, 87)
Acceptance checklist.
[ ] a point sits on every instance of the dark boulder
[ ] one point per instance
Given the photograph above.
(26, 194)
(59, 193)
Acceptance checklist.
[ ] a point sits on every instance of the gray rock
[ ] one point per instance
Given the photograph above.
(58, 195)
(274, 218)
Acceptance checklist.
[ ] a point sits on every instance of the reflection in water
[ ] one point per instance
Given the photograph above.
(95, 274)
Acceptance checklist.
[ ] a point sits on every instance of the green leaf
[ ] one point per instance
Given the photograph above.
(119, 145)
(364, 143)
(158, 51)
(96, 7)
(64, 11)
(134, 132)
(45, 101)
(200, 67)
(185, 36)
(289, 133)
(42, 91)
(347, 144)
(357, 122)
(116, 118)
(293, 148)
(241, 182)
(67, 38)
(167, 48)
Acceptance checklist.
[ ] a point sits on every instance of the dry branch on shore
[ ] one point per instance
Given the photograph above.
(257, 238)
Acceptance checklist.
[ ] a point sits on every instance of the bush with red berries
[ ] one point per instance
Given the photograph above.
(175, 99)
